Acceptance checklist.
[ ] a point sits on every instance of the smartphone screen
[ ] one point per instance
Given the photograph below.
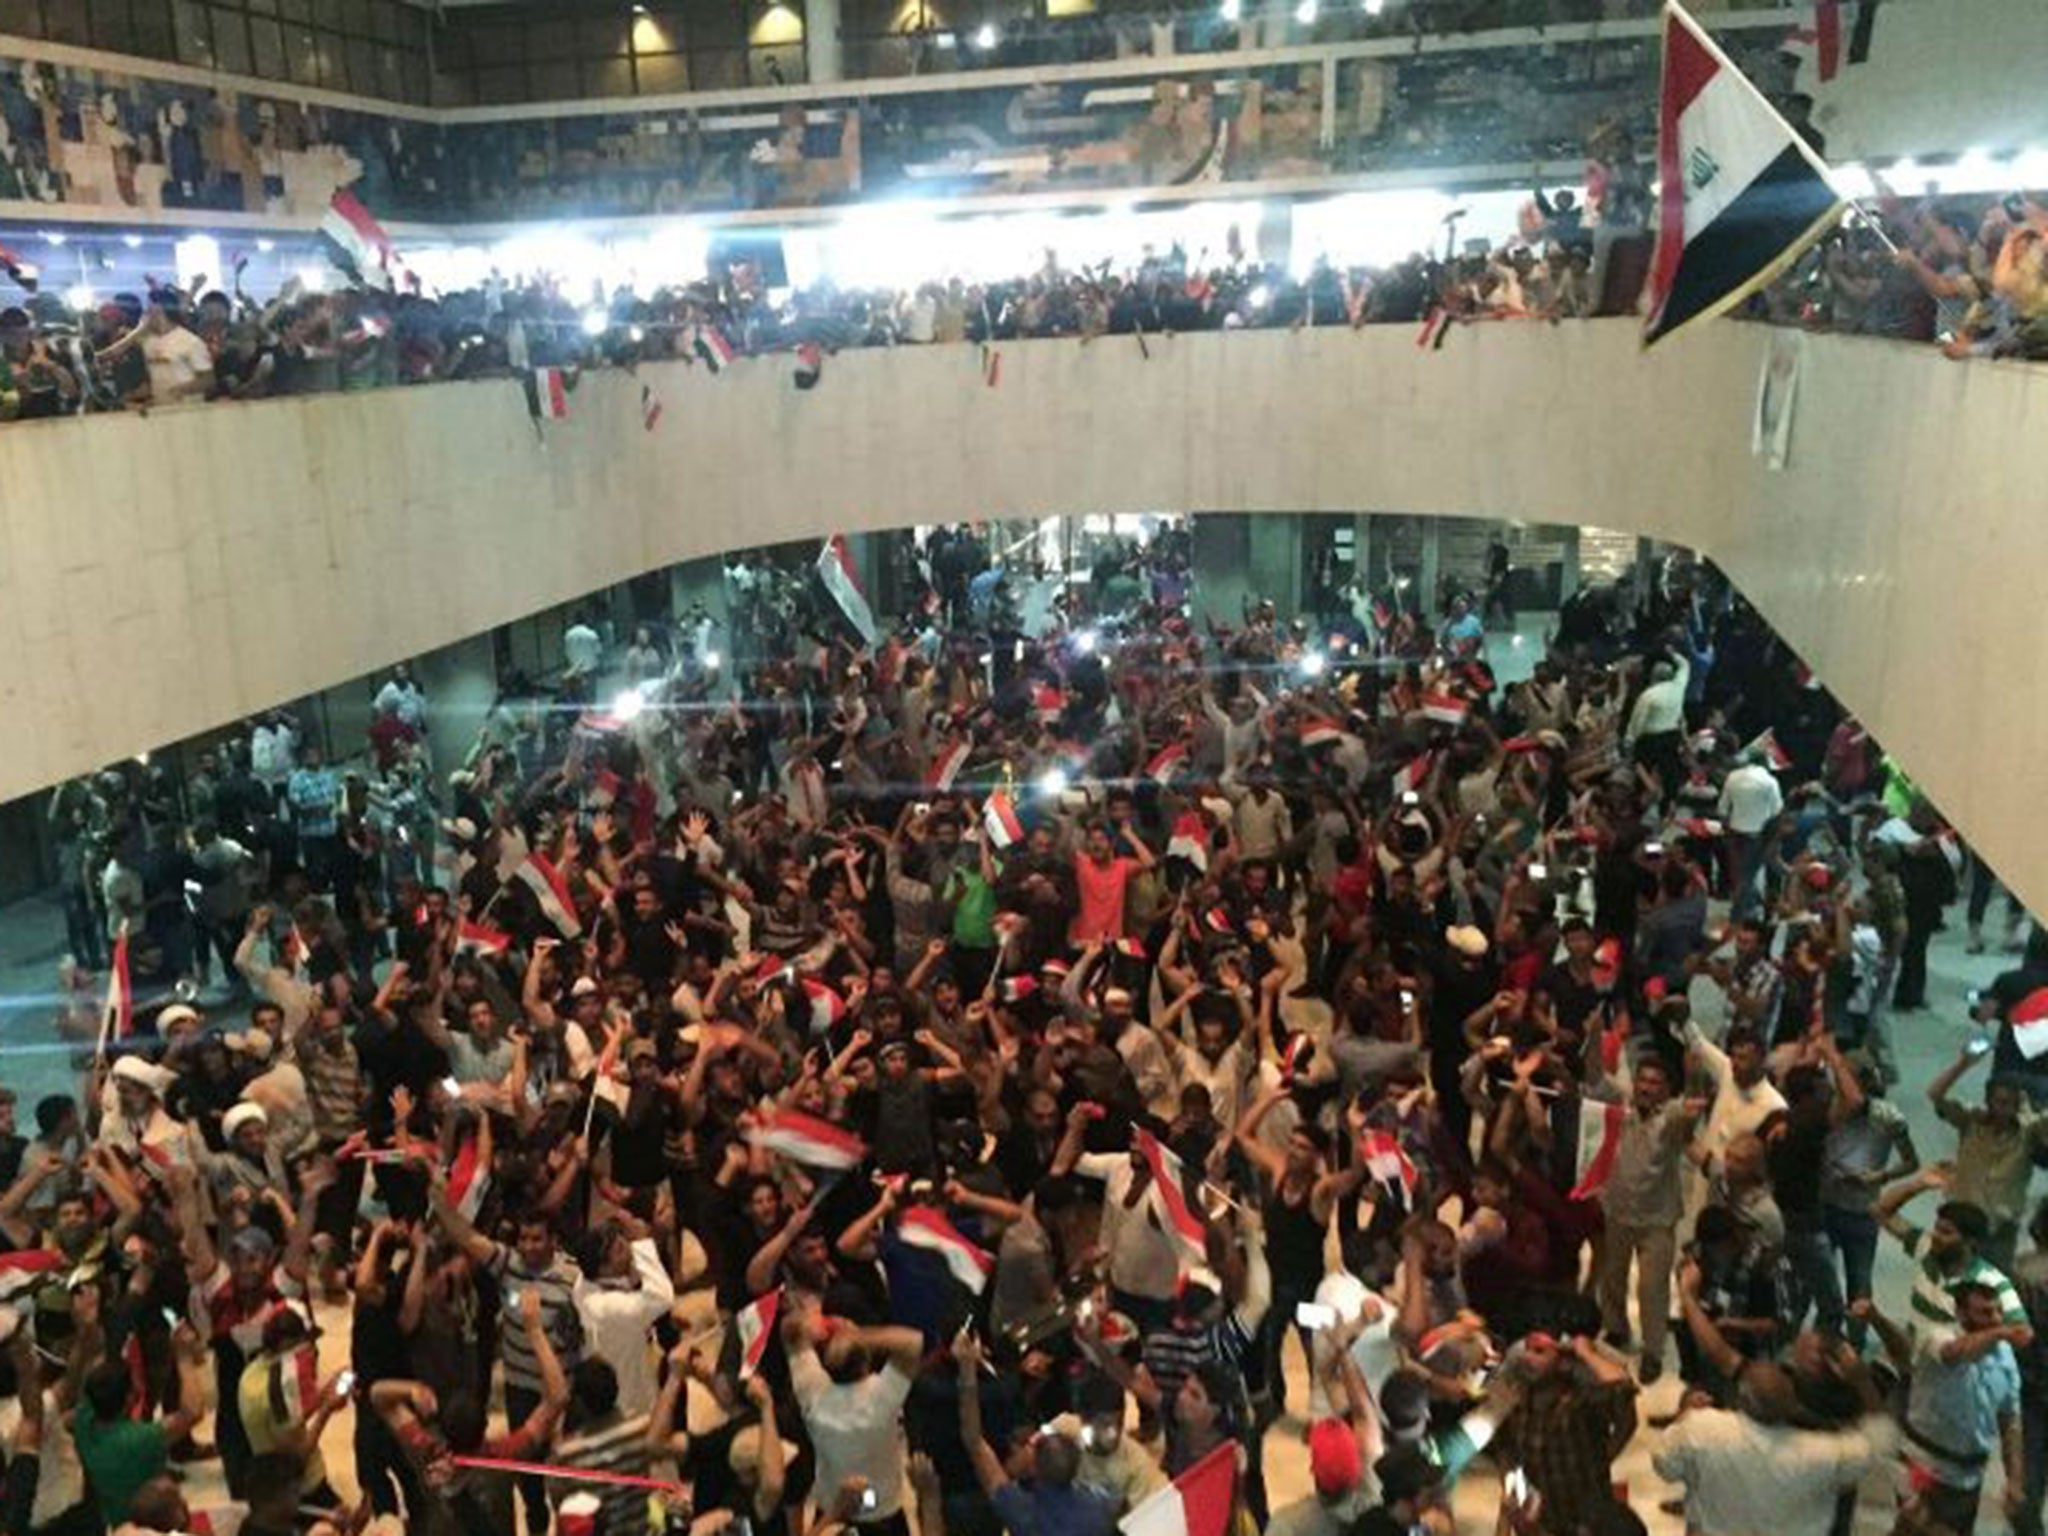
(1313, 1314)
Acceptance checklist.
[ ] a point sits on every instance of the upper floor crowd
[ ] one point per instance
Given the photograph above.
(1968, 274)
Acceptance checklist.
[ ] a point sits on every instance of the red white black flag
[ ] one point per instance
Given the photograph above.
(1740, 195)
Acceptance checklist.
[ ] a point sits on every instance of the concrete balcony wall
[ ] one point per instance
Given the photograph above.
(161, 575)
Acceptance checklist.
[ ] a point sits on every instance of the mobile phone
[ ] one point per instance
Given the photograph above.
(1409, 797)
(345, 1383)
(1976, 1046)
(1514, 1483)
(1313, 1314)
(868, 1500)
(1654, 850)
(451, 1087)
(1539, 871)
(171, 1318)
(1088, 1437)
(1974, 996)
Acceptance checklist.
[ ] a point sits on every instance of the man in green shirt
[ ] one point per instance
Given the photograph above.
(120, 1454)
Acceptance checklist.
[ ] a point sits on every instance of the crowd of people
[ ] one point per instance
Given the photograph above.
(1969, 273)
(932, 1079)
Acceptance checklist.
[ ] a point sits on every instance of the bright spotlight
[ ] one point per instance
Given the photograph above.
(1085, 640)
(945, 40)
(1374, 7)
(1261, 296)
(53, 237)
(1232, 10)
(1053, 783)
(628, 704)
(711, 661)
(594, 322)
(133, 242)
(78, 299)
(635, 335)
(985, 36)
(265, 244)
(1312, 664)
(1305, 13)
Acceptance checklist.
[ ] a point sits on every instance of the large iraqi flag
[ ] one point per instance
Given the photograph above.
(1740, 194)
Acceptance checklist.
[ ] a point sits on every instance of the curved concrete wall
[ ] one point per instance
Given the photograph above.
(162, 575)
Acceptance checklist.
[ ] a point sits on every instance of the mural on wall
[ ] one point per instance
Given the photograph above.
(101, 139)
(94, 138)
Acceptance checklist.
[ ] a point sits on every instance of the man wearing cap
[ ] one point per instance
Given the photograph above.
(235, 1293)
(1465, 981)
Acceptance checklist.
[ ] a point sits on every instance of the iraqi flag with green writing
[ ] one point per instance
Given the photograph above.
(1740, 195)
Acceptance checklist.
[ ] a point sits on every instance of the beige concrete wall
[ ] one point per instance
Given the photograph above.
(162, 575)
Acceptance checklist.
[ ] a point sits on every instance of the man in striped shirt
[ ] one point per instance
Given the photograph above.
(531, 1265)
(601, 1438)
(1945, 1256)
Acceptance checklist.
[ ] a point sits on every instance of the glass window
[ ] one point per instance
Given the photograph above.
(231, 40)
(302, 55)
(554, 79)
(662, 72)
(498, 44)
(361, 55)
(67, 24)
(195, 37)
(552, 40)
(152, 22)
(604, 36)
(110, 29)
(607, 77)
(23, 18)
(496, 87)
(266, 48)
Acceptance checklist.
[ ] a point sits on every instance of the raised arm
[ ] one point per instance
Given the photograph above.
(988, 1467)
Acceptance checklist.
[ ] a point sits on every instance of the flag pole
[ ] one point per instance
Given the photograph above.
(107, 1007)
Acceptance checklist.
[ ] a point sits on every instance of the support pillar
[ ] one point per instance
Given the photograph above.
(821, 42)
(1432, 557)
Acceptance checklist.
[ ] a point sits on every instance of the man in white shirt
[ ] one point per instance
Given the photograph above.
(1742, 1476)
(1144, 1263)
(619, 1307)
(1656, 726)
(1744, 1096)
(1750, 802)
(852, 1402)
(180, 367)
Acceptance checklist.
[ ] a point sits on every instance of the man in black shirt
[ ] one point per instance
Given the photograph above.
(1820, 1094)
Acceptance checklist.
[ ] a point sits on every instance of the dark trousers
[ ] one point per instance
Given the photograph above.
(1911, 991)
(520, 1403)
(2034, 1443)
(82, 930)
(1664, 755)
(228, 1435)
(382, 1471)
(1853, 1236)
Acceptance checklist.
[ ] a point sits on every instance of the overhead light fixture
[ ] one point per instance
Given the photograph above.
(265, 244)
(1053, 783)
(594, 322)
(985, 36)
(1305, 13)
(133, 242)
(1232, 10)
(53, 237)
(78, 299)
(1374, 7)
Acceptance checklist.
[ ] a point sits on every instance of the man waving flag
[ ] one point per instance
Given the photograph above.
(1740, 194)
